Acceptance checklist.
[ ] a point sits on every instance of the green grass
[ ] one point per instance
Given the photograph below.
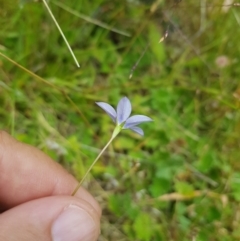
(181, 180)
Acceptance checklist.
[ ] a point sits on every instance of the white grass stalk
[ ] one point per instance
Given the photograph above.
(61, 32)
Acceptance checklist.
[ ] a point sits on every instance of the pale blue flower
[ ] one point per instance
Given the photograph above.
(121, 115)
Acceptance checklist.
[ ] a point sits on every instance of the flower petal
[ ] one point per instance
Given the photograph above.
(137, 130)
(136, 120)
(124, 110)
(108, 109)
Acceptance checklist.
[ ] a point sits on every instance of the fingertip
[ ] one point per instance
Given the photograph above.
(82, 193)
(57, 218)
(75, 224)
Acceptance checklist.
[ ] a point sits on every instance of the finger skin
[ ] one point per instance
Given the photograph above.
(26, 174)
(35, 194)
(33, 220)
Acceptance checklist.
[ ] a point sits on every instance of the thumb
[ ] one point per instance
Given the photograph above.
(56, 218)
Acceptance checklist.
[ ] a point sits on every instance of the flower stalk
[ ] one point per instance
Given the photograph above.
(115, 133)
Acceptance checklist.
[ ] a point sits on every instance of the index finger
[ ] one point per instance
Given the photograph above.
(26, 174)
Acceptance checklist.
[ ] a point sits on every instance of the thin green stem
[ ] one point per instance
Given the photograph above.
(61, 32)
(115, 133)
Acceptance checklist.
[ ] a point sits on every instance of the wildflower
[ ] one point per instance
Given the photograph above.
(222, 61)
(123, 121)
(121, 118)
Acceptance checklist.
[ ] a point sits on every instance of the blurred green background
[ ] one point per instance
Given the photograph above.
(181, 181)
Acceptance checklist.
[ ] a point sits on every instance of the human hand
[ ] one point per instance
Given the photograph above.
(35, 198)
